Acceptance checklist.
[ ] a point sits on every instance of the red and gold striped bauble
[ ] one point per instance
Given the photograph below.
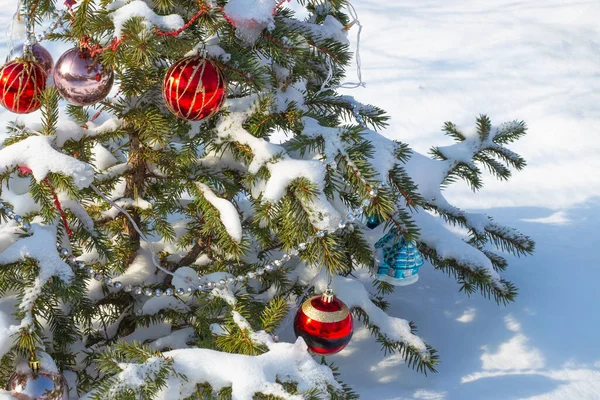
(325, 324)
(21, 82)
(194, 88)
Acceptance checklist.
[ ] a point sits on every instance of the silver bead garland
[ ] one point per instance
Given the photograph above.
(58, 22)
(31, 38)
(113, 282)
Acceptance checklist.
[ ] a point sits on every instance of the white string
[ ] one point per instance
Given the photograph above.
(138, 230)
(346, 85)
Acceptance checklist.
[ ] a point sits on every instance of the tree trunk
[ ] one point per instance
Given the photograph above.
(134, 188)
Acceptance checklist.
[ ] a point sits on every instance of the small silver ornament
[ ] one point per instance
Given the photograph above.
(43, 385)
(80, 79)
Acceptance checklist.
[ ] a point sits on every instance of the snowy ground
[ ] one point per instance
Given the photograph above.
(429, 61)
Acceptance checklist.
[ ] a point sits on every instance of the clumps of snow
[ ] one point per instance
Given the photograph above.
(156, 304)
(67, 129)
(152, 332)
(330, 29)
(8, 325)
(512, 324)
(70, 130)
(283, 171)
(231, 128)
(184, 277)
(113, 172)
(141, 269)
(353, 293)
(133, 376)
(227, 212)
(449, 246)
(428, 174)
(103, 158)
(323, 214)
(125, 203)
(241, 321)
(108, 125)
(176, 340)
(516, 353)
(292, 94)
(37, 153)
(212, 48)
(331, 136)
(18, 195)
(248, 375)
(76, 208)
(286, 171)
(41, 246)
(384, 154)
(251, 17)
(138, 8)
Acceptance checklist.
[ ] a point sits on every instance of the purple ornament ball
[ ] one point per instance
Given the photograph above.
(45, 385)
(41, 55)
(80, 79)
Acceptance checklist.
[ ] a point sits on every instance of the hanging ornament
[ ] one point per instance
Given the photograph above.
(21, 82)
(194, 88)
(40, 54)
(398, 260)
(81, 79)
(325, 324)
(373, 222)
(36, 383)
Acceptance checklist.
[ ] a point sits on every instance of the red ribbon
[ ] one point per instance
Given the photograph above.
(25, 170)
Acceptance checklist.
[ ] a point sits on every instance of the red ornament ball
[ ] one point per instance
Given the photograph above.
(325, 324)
(21, 82)
(194, 88)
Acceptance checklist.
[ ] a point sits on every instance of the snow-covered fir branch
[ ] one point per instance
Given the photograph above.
(189, 246)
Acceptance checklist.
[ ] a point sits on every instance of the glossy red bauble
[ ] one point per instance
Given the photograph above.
(21, 83)
(194, 88)
(325, 324)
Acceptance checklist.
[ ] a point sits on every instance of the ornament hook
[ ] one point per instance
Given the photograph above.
(327, 295)
(34, 363)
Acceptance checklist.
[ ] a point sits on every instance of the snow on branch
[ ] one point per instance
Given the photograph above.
(354, 294)
(37, 153)
(227, 212)
(251, 17)
(40, 245)
(249, 375)
(245, 375)
(283, 169)
(124, 12)
(330, 29)
(395, 334)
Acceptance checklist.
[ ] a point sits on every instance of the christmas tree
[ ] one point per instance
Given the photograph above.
(156, 239)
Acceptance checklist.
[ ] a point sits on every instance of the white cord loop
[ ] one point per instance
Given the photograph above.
(329, 77)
